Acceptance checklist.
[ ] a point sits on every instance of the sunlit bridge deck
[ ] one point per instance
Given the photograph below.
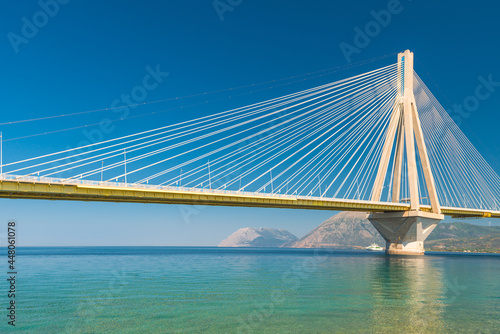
(33, 187)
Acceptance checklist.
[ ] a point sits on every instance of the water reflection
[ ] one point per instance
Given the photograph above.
(408, 295)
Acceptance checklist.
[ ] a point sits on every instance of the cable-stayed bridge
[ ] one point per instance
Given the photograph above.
(378, 142)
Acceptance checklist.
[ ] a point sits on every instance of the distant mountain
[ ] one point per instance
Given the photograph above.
(344, 230)
(461, 230)
(353, 230)
(463, 236)
(258, 237)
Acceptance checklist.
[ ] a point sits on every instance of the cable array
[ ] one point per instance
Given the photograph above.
(463, 177)
(324, 141)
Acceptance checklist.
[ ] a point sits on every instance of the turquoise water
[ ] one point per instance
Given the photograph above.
(214, 290)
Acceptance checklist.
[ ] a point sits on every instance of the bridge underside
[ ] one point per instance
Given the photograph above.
(98, 193)
(164, 195)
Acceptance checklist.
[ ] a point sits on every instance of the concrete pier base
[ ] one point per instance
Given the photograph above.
(405, 232)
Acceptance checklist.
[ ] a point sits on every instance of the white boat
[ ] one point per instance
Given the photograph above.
(374, 247)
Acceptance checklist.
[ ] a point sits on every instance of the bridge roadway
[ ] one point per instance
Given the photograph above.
(33, 187)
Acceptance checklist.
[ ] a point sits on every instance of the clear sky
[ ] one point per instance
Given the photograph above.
(68, 56)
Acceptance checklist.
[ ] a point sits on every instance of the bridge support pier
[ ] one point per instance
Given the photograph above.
(405, 232)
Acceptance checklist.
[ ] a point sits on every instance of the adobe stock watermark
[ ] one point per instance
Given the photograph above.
(364, 35)
(453, 289)
(93, 306)
(122, 106)
(31, 26)
(292, 280)
(471, 103)
(223, 6)
(188, 212)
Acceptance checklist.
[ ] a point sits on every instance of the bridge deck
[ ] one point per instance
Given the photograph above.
(80, 190)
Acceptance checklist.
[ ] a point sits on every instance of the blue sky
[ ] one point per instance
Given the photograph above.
(86, 54)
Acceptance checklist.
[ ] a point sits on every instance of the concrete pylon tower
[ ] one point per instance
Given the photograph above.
(405, 231)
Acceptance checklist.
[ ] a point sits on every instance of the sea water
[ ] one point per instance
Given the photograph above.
(253, 290)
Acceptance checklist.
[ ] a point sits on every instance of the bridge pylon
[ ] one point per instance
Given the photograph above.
(405, 232)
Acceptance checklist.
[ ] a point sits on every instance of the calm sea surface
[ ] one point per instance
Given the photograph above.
(220, 290)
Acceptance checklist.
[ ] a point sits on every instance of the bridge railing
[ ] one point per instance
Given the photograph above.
(116, 184)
